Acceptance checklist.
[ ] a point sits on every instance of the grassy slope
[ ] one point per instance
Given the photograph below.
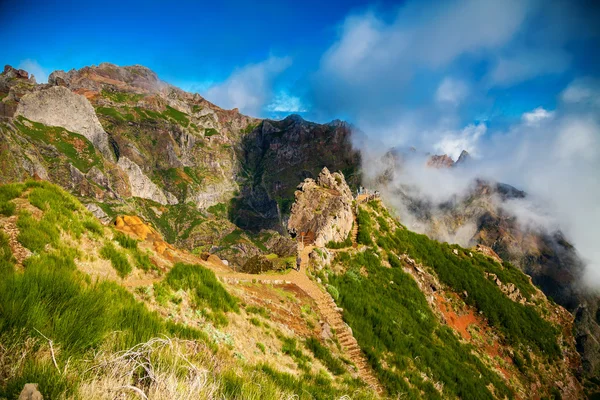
(396, 328)
(99, 330)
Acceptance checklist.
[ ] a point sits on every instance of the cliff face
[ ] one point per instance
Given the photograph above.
(323, 209)
(277, 155)
(149, 140)
(481, 216)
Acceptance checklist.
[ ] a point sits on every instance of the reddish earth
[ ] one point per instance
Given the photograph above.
(458, 322)
(461, 323)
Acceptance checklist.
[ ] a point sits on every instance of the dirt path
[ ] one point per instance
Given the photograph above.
(354, 230)
(325, 303)
(327, 309)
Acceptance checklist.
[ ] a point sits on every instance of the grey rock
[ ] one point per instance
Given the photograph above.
(30, 392)
(58, 106)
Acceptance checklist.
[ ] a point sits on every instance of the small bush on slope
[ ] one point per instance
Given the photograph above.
(322, 353)
(141, 259)
(207, 289)
(117, 259)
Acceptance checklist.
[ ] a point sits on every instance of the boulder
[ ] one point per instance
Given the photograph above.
(58, 106)
(30, 392)
(142, 186)
(322, 211)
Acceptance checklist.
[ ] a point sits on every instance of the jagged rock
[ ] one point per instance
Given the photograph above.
(142, 186)
(440, 161)
(463, 158)
(58, 106)
(320, 258)
(323, 209)
(97, 176)
(11, 72)
(30, 392)
(98, 213)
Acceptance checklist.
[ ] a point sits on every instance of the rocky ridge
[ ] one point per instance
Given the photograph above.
(323, 209)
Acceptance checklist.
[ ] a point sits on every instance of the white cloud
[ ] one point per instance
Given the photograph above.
(453, 143)
(284, 102)
(249, 88)
(451, 91)
(536, 116)
(584, 91)
(33, 67)
(528, 63)
(367, 70)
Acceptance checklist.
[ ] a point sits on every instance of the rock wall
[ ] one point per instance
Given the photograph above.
(142, 186)
(58, 106)
(323, 209)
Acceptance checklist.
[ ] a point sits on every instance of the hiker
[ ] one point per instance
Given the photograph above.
(298, 262)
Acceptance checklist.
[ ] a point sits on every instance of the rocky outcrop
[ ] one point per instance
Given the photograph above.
(142, 186)
(442, 161)
(30, 392)
(58, 106)
(323, 209)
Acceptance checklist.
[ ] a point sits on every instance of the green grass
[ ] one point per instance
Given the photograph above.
(365, 227)
(6, 258)
(74, 147)
(324, 354)
(393, 322)
(122, 97)
(219, 210)
(177, 116)
(7, 208)
(34, 234)
(203, 283)
(126, 241)
(208, 132)
(262, 311)
(52, 297)
(117, 259)
(520, 323)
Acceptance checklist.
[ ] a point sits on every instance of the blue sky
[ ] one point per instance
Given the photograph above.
(395, 69)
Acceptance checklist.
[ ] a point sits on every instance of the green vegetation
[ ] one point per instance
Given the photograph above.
(290, 348)
(142, 259)
(177, 116)
(122, 97)
(393, 323)
(207, 290)
(74, 147)
(520, 323)
(208, 132)
(395, 327)
(219, 210)
(262, 311)
(7, 208)
(324, 354)
(6, 258)
(115, 114)
(96, 330)
(341, 245)
(365, 227)
(8, 193)
(117, 259)
(249, 128)
(51, 299)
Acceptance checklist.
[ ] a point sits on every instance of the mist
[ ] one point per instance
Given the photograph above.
(408, 81)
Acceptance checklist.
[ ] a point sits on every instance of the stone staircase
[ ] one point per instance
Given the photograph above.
(330, 312)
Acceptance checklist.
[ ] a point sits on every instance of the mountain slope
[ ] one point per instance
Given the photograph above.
(147, 148)
(93, 311)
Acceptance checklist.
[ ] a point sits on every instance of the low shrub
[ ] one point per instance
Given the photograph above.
(203, 283)
(117, 259)
(324, 354)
